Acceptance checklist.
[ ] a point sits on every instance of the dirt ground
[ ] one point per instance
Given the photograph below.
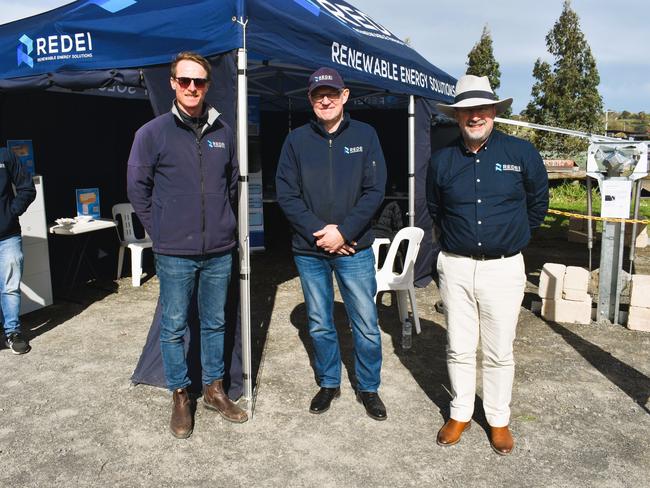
(70, 416)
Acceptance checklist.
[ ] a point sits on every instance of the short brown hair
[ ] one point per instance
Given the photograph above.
(191, 56)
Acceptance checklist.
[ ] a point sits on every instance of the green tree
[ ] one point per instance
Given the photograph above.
(481, 62)
(566, 94)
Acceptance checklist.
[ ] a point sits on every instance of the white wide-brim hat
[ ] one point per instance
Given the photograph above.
(474, 91)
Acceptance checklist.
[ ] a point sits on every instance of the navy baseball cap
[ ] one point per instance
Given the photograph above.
(325, 77)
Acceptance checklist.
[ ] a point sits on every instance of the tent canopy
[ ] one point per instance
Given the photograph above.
(96, 35)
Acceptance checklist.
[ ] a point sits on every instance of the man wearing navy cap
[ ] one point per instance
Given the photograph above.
(330, 183)
(486, 193)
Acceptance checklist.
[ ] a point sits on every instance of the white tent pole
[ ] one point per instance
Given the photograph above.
(411, 136)
(244, 242)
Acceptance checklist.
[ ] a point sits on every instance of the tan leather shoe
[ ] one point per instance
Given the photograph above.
(181, 423)
(501, 440)
(450, 433)
(215, 398)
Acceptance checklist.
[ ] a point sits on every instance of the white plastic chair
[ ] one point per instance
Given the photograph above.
(125, 211)
(401, 283)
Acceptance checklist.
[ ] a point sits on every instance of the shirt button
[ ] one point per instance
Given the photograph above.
(478, 160)
(479, 243)
(479, 200)
(479, 222)
(478, 180)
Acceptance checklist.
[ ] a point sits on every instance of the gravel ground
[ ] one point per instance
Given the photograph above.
(70, 416)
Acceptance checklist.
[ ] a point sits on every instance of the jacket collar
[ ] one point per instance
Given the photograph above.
(213, 115)
(318, 127)
(495, 134)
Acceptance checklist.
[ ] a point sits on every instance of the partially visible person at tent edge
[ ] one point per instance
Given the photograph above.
(12, 205)
(487, 193)
(330, 182)
(182, 182)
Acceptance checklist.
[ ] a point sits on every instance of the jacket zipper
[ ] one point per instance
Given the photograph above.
(198, 145)
(331, 179)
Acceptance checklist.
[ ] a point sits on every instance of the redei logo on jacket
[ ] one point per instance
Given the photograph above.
(216, 144)
(353, 150)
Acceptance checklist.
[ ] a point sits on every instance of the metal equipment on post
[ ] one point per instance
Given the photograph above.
(617, 166)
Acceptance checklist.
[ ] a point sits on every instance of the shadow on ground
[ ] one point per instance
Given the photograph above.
(631, 381)
(425, 360)
(270, 270)
(76, 301)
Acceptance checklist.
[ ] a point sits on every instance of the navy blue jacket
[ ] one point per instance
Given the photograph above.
(337, 178)
(184, 188)
(488, 202)
(12, 206)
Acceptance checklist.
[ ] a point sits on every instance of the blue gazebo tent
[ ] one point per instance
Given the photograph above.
(98, 43)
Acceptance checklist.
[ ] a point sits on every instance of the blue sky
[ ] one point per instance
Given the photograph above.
(445, 31)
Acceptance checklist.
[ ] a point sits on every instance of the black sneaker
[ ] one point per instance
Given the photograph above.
(17, 343)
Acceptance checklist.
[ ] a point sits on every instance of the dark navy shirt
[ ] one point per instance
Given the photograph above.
(487, 202)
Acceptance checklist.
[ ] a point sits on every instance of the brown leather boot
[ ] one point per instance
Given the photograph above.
(215, 398)
(450, 433)
(181, 423)
(501, 440)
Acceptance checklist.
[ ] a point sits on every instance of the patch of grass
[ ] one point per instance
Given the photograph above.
(572, 197)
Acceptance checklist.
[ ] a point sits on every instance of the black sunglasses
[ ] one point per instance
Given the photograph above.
(185, 82)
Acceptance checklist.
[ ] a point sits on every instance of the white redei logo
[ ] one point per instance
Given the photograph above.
(216, 144)
(54, 48)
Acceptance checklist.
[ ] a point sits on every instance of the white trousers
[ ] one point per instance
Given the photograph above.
(481, 299)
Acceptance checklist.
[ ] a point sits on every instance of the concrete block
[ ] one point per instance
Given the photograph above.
(551, 281)
(567, 311)
(639, 319)
(576, 278)
(640, 291)
(575, 295)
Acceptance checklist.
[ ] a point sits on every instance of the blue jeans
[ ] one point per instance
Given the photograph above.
(11, 271)
(355, 276)
(177, 276)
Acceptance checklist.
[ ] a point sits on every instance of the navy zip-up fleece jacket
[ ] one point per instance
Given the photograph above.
(12, 206)
(184, 188)
(337, 178)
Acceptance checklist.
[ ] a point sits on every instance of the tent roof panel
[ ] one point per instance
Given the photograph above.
(105, 34)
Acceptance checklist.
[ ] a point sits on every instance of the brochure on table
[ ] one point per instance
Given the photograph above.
(88, 202)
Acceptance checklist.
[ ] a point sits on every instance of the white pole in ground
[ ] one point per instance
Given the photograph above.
(244, 242)
(411, 137)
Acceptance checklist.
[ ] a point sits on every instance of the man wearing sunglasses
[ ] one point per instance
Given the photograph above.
(330, 182)
(182, 182)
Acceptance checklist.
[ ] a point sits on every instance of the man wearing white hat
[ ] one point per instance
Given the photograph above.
(486, 193)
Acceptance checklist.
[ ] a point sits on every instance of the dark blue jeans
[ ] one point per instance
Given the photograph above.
(177, 276)
(355, 276)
